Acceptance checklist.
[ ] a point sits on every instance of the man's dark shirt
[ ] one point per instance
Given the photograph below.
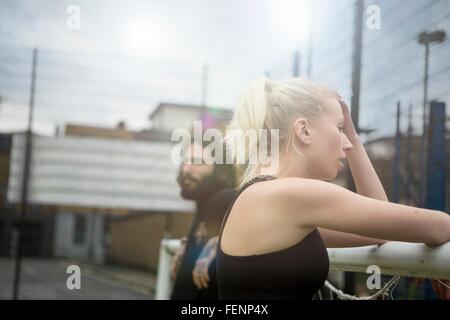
(206, 225)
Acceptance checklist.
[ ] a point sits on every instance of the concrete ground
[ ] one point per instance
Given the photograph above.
(46, 279)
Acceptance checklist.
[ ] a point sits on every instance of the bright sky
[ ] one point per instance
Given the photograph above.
(144, 52)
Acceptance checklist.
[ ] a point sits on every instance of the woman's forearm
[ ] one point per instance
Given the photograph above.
(337, 239)
(366, 179)
(367, 184)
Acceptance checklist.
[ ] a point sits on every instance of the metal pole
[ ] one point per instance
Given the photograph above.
(296, 66)
(25, 179)
(395, 258)
(163, 280)
(436, 163)
(422, 159)
(204, 90)
(396, 168)
(356, 69)
(408, 154)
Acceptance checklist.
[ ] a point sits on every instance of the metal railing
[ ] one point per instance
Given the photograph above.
(393, 258)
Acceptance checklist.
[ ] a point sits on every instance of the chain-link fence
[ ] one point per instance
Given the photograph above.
(98, 188)
(100, 193)
(391, 71)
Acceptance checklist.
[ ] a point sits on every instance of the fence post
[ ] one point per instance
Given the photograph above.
(435, 194)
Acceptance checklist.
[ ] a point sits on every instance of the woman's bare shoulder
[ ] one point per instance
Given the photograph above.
(294, 194)
(297, 186)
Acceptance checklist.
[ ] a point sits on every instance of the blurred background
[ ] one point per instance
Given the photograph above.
(91, 91)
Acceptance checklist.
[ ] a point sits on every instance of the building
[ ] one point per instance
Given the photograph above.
(95, 193)
(76, 182)
(168, 117)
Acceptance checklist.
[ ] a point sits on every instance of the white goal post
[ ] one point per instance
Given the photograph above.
(393, 258)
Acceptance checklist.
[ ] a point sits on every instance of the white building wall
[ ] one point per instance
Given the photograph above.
(174, 117)
(94, 172)
(93, 245)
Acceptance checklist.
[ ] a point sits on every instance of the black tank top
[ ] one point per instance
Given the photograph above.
(296, 272)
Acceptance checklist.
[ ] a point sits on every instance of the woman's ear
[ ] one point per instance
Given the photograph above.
(302, 131)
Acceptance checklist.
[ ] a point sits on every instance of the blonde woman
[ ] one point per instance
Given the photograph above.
(272, 244)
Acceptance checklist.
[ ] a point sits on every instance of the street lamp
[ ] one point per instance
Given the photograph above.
(426, 38)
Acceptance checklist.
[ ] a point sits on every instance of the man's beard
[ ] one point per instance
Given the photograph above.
(203, 188)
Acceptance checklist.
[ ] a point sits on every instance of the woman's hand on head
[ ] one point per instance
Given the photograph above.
(349, 127)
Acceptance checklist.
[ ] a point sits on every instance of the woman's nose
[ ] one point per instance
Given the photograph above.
(347, 146)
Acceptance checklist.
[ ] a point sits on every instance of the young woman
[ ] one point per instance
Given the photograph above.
(273, 240)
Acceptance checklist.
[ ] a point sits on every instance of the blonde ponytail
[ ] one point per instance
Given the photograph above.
(271, 105)
(250, 116)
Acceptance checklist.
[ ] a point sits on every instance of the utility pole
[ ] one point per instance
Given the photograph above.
(396, 168)
(408, 154)
(204, 90)
(296, 65)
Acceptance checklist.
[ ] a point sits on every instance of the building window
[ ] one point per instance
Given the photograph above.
(79, 234)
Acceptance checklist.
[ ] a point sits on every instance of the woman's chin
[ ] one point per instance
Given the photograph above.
(330, 177)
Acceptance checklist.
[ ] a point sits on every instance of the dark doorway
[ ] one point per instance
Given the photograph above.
(32, 239)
